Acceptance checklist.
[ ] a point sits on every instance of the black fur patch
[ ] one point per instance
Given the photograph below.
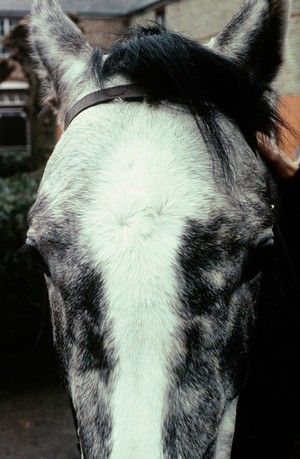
(80, 335)
(81, 332)
(170, 66)
(210, 372)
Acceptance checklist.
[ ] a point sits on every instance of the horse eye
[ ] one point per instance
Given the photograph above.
(257, 258)
(37, 258)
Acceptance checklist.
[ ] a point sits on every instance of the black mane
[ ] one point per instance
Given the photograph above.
(170, 66)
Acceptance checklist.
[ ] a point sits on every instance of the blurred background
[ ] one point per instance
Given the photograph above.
(35, 419)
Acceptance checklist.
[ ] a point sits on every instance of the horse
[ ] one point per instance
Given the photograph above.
(152, 221)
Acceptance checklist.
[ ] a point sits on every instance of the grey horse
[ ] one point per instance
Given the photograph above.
(151, 221)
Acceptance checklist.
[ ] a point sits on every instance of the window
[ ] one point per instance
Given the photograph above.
(6, 24)
(13, 131)
(14, 122)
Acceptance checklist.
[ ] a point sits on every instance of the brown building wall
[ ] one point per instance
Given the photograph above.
(203, 19)
(103, 32)
(200, 19)
(290, 110)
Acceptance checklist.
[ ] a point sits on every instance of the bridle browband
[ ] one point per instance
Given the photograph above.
(127, 92)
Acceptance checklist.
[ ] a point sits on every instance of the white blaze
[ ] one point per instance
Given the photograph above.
(145, 192)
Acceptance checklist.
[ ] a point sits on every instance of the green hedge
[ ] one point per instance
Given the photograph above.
(14, 162)
(22, 291)
(17, 193)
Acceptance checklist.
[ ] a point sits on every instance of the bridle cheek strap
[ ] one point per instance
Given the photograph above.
(128, 92)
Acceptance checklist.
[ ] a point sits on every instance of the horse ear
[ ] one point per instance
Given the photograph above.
(255, 37)
(59, 48)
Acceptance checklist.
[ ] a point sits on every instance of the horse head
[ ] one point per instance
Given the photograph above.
(152, 219)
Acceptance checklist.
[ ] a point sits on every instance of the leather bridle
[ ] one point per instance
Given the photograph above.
(127, 92)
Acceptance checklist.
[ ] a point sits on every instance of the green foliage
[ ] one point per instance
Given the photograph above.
(14, 162)
(22, 291)
(17, 193)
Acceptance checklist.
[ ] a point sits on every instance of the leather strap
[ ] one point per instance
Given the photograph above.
(126, 92)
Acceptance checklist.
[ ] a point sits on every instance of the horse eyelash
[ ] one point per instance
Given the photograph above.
(36, 257)
(256, 259)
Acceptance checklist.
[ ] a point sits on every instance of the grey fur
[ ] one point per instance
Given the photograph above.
(216, 276)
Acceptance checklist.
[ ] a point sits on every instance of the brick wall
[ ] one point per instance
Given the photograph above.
(200, 19)
(289, 79)
(203, 19)
(290, 110)
(103, 32)
(142, 18)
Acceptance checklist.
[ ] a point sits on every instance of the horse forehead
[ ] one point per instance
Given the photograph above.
(64, 219)
(159, 157)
